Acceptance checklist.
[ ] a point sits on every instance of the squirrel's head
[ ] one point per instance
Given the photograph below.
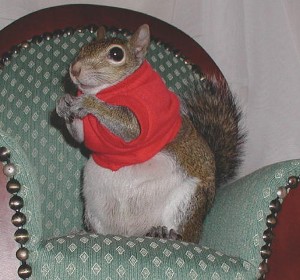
(107, 61)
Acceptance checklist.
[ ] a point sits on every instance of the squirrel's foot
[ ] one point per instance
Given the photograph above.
(163, 232)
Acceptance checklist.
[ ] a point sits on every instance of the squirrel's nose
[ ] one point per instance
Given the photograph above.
(75, 69)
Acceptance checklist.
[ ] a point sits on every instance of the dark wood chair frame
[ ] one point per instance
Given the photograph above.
(61, 17)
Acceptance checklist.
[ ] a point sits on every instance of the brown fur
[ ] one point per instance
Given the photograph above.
(193, 154)
(209, 143)
(216, 116)
(119, 120)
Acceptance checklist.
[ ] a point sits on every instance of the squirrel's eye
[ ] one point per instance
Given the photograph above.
(116, 54)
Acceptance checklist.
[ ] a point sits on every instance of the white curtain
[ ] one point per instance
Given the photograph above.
(256, 45)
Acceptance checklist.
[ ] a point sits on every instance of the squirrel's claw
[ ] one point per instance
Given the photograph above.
(163, 232)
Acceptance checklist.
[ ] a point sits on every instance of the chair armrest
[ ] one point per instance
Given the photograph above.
(236, 222)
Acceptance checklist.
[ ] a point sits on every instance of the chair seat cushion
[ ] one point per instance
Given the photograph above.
(91, 256)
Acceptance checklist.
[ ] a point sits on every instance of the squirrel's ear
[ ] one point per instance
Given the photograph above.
(101, 33)
(140, 41)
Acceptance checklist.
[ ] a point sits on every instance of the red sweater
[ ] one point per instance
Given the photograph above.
(157, 110)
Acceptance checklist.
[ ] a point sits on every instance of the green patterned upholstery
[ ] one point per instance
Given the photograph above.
(50, 164)
(113, 257)
(237, 220)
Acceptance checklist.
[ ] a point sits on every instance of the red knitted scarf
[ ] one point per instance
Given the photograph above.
(156, 109)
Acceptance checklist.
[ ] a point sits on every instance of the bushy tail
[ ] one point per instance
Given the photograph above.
(216, 116)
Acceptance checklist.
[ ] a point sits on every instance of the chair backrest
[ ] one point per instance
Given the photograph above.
(35, 73)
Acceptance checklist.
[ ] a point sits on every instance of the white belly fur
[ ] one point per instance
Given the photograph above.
(135, 198)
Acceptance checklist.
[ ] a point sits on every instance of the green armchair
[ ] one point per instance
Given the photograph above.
(43, 165)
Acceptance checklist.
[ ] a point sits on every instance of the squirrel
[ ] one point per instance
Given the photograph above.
(156, 156)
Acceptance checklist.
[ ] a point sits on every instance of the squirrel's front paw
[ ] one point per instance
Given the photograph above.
(70, 107)
(63, 106)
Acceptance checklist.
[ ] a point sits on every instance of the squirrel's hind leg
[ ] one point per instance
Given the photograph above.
(191, 226)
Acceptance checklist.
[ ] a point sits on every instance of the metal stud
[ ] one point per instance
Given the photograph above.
(21, 236)
(58, 33)
(69, 31)
(187, 62)
(18, 219)
(268, 235)
(6, 56)
(282, 192)
(25, 271)
(4, 154)
(15, 49)
(275, 206)
(92, 28)
(293, 182)
(265, 252)
(37, 39)
(22, 254)
(47, 36)
(16, 203)
(9, 170)
(271, 221)
(263, 268)
(13, 186)
(25, 45)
